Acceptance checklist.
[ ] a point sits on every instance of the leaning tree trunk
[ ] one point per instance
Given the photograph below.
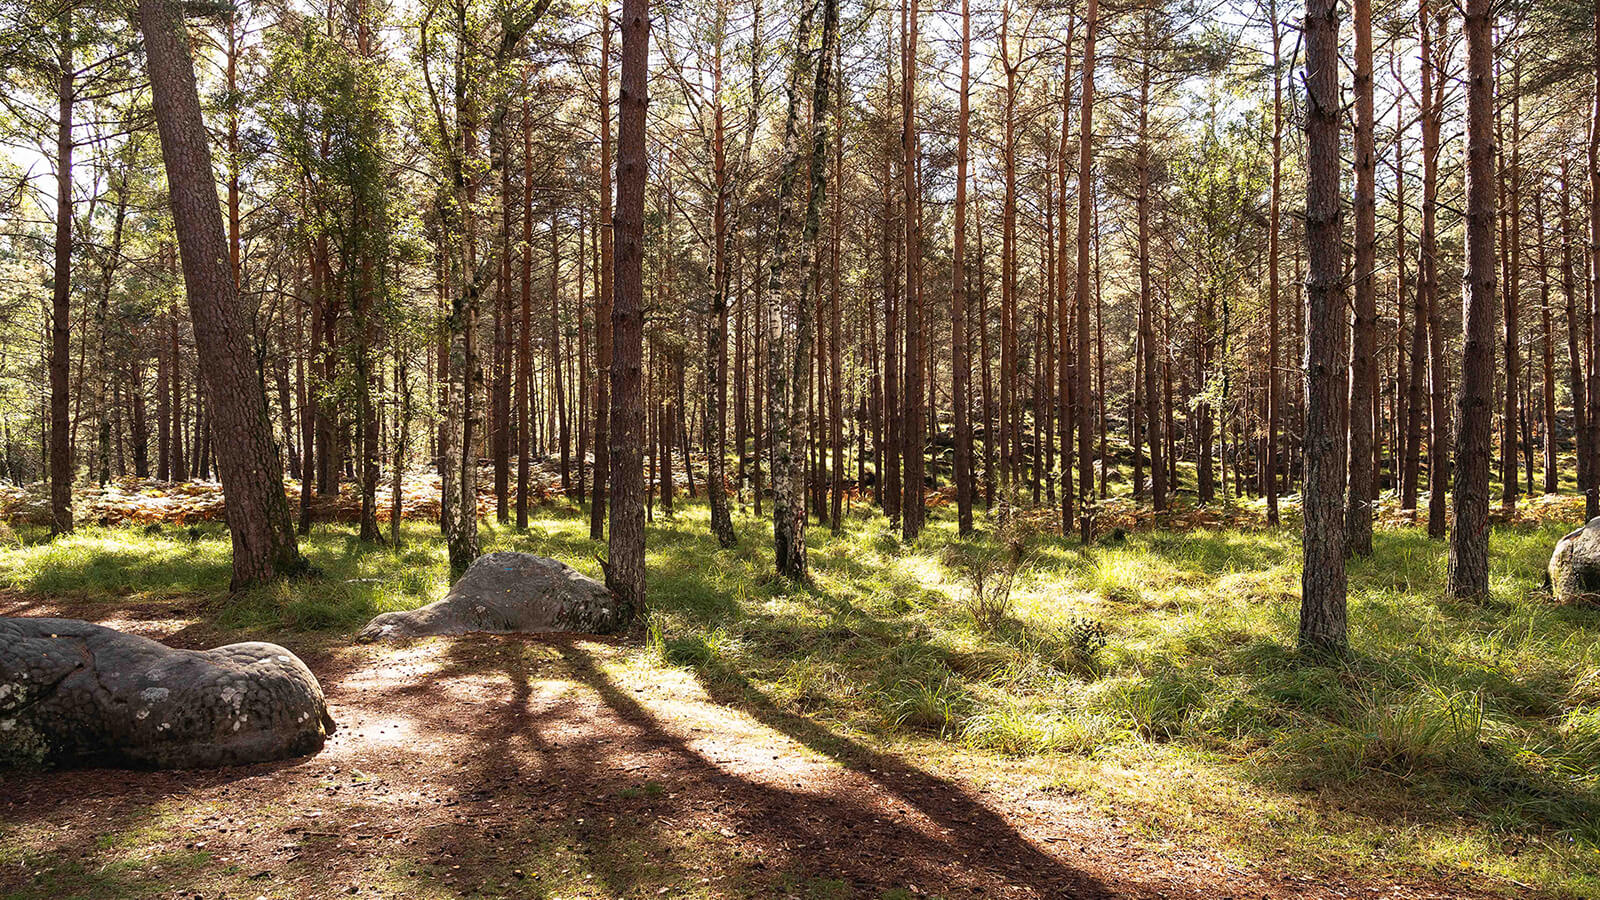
(1468, 575)
(625, 560)
(1322, 602)
(252, 472)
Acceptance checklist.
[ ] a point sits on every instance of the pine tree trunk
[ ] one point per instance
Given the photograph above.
(563, 424)
(914, 503)
(1064, 370)
(252, 472)
(60, 447)
(603, 310)
(716, 419)
(1086, 425)
(1363, 343)
(1468, 572)
(960, 363)
(1322, 603)
(1547, 352)
(889, 242)
(1511, 259)
(625, 562)
(1592, 489)
(1158, 469)
(525, 325)
(1575, 322)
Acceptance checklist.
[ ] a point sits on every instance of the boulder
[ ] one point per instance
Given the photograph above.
(75, 693)
(510, 593)
(1575, 565)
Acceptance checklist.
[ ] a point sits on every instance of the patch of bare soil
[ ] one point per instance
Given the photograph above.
(507, 767)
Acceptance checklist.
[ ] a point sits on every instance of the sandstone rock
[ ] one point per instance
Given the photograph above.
(75, 693)
(1575, 565)
(509, 593)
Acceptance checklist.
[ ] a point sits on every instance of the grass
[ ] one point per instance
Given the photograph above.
(1154, 675)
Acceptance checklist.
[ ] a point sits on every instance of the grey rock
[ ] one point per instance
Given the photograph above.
(1575, 565)
(76, 693)
(509, 593)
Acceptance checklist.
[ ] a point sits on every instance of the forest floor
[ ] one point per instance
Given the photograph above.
(1136, 726)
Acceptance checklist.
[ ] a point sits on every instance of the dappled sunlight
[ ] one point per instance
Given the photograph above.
(1145, 692)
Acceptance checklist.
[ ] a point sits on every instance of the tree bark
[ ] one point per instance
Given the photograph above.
(960, 364)
(1468, 571)
(61, 463)
(1575, 351)
(914, 504)
(264, 544)
(716, 418)
(604, 302)
(1363, 344)
(1158, 469)
(1274, 230)
(625, 562)
(1433, 87)
(1086, 424)
(525, 324)
(1322, 603)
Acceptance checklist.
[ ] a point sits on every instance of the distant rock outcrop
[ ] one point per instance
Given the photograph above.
(509, 593)
(75, 693)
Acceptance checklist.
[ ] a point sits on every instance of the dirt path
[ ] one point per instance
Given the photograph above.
(505, 767)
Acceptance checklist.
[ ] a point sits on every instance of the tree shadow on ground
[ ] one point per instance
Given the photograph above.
(872, 823)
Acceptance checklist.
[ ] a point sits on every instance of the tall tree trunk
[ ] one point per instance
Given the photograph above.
(1411, 380)
(961, 364)
(310, 455)
(716, 418)
(1147, 341)
(625, 561)
(1086, 426)
(791, 366)
(1008, 256)
(1512, 262)
(1274, 233)
(1433, 87)
(1592, 490)
(525, 324)
(1547, 351)
(402, 441)
(603, 310)
(1468, 573)
(563, 424)
(889, 242)
(915, 501)
(1575, 351)
(500, 366)
(1322, 603)
(1363, 336)
(1064, 299)
(61, 464)
(264, 544)
(836, 301)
